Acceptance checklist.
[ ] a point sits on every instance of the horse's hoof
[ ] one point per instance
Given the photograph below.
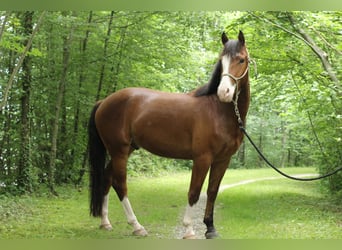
(140, 232)
(189, 237)
(211, 235)
(107, 227)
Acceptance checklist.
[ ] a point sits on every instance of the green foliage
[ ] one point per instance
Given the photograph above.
(144, 163)
(296, 108)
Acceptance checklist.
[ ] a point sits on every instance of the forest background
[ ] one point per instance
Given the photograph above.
(55, 65)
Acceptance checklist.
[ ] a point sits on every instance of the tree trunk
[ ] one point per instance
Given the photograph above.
(58, 107)
(260, 146)
(105, 48)
(322, 55)
(83, 49)
(307, 39)
(115, 69)
(284, 152)
(242, 155)
(6, 150)
(261, 141)
(64, 144)
(23, 177)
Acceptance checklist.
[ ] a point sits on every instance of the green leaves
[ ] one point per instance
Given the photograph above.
(295, 93)
(295, 105)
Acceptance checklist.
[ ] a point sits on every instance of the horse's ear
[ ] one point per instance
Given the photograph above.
(224, 38)
(241, 38)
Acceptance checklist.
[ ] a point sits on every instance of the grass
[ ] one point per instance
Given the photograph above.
(278, 210)
(67, 216)
(262, 210)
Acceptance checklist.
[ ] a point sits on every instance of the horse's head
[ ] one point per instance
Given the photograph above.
(234, 60)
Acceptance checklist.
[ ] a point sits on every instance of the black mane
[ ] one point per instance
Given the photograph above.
(211, 87)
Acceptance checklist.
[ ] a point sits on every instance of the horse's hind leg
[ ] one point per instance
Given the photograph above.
(105, 223)
(138, 229)
(120, 186)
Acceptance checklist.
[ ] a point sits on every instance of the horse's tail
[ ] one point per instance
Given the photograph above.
(97, 160)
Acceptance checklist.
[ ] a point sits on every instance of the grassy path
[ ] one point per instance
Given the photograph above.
(198, 224)
(274, 208)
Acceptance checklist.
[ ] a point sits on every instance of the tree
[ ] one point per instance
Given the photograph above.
(82, 77)
(300, 65)
(54, 76)
(22, 57)
(24, 156)
(67, 39)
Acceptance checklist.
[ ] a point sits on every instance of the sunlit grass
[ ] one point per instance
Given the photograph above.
(277, 208)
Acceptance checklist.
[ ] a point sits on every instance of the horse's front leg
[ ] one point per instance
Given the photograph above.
(187, 223)
(199, 171)
(216, 174)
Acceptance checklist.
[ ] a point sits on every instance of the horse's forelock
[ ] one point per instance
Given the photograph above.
(232, 48)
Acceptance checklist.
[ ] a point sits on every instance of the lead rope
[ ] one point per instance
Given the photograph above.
(242, 128)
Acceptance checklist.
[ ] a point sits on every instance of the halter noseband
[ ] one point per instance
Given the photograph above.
(237, 79)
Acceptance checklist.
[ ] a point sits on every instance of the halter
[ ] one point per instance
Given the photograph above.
(237, 79)
(235, 101)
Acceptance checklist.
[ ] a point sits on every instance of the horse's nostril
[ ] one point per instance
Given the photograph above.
(227, 90)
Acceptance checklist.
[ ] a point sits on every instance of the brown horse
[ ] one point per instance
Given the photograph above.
(200, 126)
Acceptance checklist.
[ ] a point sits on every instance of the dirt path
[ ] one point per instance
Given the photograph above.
(199, 226)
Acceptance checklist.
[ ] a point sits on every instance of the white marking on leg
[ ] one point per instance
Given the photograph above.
(132, 219)
(226, 88)
(187, 222)
(105, 223)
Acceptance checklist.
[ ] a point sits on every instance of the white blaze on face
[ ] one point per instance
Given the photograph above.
(226, 89)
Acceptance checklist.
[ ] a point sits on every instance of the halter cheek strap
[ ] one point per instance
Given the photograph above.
(236, 79)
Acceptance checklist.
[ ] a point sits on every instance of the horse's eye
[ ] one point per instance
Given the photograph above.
(242, 61)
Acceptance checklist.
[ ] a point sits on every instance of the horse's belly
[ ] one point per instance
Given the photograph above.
(164, 140)
(170, 152)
